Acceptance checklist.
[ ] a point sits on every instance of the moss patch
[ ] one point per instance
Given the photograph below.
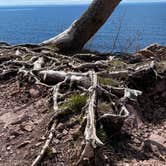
(117, 64)
(104, 107)
(28, 57)
(101, 134)
(108, 81)
(75, 102)
(49, 152)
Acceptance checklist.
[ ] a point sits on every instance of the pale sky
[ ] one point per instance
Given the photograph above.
(48, 2)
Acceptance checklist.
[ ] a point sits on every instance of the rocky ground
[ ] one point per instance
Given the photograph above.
(27, 102)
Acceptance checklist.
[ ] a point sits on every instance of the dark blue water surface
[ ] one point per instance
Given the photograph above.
(131, 27)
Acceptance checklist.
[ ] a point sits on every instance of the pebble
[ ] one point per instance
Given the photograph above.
(39, 103)
(12, 137)
(56, 141)
(27, 128)
(8, 148)
(65, 132)
(54, 151)
(137, 141)
(33, 92)
(146, 135)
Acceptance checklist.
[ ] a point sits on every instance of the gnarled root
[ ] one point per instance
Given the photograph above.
(53, 126)
(52, 77)
(61, 73)
(116, 121)
(92, 141)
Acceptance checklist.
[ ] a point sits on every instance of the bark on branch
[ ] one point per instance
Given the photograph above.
(85, 27)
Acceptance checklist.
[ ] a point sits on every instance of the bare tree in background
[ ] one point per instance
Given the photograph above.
(81, 30)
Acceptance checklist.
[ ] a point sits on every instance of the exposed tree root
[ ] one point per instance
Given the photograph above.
(92, 141)
(64, 75)
(53, 127)
(97, 64)
(123, 113)
(45, 147)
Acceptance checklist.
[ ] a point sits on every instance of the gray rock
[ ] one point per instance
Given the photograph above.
(155, 145)
(34, 92)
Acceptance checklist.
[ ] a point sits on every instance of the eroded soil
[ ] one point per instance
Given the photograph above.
(26, 109)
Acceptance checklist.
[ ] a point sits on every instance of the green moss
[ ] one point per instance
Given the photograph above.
(117, 64)
(49, 110)
(49, 152)
(80, 119)
(108, 81)
(78, 101)
(28, 57)
(105, 107)
(101, 134)
(75, 102)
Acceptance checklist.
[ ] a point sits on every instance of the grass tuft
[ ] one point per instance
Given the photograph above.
(117, 65)
(101, 134)
(108, 81)
(75, 103)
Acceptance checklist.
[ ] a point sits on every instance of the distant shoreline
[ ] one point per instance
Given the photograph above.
(59, 5)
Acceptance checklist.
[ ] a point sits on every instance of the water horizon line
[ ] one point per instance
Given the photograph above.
(69, 4)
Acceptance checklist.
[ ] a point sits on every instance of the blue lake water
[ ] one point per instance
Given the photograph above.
(131, 27)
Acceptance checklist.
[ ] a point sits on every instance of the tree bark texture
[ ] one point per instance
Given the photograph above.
(81, 30)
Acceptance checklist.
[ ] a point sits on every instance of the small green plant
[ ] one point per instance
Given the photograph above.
(108, 81)
(101, 134)
(49, 110)
(105, 107)
(75, 102)
(117, 65)
(28, 57)
(49, 152)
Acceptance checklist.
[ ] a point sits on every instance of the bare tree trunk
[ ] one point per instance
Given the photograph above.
(85, 27)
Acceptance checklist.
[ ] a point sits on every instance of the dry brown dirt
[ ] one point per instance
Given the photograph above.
(25, 111)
